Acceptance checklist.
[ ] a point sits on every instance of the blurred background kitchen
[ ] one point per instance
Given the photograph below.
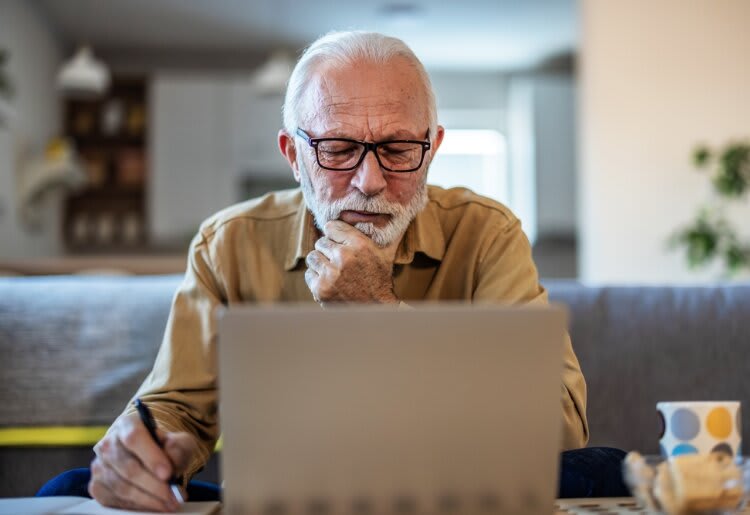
(123, 124)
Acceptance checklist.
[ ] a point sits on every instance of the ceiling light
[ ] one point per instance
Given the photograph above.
(401, 13)
(272, 76)
(83, 75)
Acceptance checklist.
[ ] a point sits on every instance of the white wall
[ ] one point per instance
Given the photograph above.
(490, 101)
(35, 55)
(522, 152)
(210, 132)
(471, 91)
(657, 78)
(536, 112)
(189, 143)
(542, 137)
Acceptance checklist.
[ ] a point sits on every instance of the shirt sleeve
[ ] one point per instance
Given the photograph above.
(506, 272)
(181, 390)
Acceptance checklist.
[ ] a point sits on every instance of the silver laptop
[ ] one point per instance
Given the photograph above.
(443, 409)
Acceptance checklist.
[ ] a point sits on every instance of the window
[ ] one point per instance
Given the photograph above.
(475, 159)
(491, 151)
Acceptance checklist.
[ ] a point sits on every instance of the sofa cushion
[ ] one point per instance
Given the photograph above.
(641, 345)
(74, 349)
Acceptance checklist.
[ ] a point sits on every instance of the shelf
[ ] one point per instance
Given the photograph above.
(101, 141)
(110, 193)
(7, 113)
(109, 215)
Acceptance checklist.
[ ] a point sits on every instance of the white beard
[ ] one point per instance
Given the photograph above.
(401, 215)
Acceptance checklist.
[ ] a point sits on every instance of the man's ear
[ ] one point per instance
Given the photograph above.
(438, 139)
(289, 151)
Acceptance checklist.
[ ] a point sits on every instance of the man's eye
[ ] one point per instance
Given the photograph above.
(341, 152)
(338, 149)
(397, 148)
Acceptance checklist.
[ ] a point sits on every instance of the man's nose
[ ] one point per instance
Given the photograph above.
(369, 178)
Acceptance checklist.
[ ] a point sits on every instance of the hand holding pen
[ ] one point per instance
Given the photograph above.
(135, 462)
(148, 421)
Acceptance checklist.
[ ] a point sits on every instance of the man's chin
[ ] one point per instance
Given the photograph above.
(365, 228)
(379, 235)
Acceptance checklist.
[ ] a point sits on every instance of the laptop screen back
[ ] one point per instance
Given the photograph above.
(442, 409)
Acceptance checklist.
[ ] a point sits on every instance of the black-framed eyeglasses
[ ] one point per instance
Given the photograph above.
(343, 154)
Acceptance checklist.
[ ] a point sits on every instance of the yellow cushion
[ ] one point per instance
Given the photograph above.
(51, 436)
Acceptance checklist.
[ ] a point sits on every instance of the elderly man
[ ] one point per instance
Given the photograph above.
(360, 131)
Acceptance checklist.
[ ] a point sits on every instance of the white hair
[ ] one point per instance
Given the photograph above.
(344, 48)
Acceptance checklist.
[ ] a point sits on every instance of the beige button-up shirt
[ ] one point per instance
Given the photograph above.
(460, 247)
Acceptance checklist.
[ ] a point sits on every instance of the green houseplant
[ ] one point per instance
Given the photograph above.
(711, 236)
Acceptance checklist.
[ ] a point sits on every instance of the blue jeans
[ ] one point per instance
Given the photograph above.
(76, 482)
(590, 472)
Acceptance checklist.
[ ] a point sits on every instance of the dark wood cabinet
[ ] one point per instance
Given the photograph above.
(110, 135)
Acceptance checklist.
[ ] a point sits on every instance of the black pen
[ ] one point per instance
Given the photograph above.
(148, 420)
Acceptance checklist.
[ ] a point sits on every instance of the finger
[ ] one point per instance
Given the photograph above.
(342, 232)
(116, 457)
(317, 262)
(133, 499)
(327, 247)
(111, 489)
(137, 440)
(127, 466)
(314, 283)
(103, 495)
(96, 487)
(311, 278)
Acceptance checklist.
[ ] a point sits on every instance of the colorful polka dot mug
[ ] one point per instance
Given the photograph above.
(700, 427)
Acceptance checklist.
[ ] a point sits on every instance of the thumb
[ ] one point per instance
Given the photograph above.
(181, 448)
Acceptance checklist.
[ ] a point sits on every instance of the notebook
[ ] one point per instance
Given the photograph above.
(85, 506)
(359, 410)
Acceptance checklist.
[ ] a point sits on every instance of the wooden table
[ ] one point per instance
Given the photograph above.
(606, 505)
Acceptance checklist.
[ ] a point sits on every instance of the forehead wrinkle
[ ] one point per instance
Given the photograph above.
(345, 118)
(330, 99)
(377, 111)
(362, 104)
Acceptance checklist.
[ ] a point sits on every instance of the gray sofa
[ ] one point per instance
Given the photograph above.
(74, 349)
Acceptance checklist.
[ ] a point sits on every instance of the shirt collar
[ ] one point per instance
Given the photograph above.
(424, 235)
(301, 238)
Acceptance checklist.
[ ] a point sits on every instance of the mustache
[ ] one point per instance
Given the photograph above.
(359, 202)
